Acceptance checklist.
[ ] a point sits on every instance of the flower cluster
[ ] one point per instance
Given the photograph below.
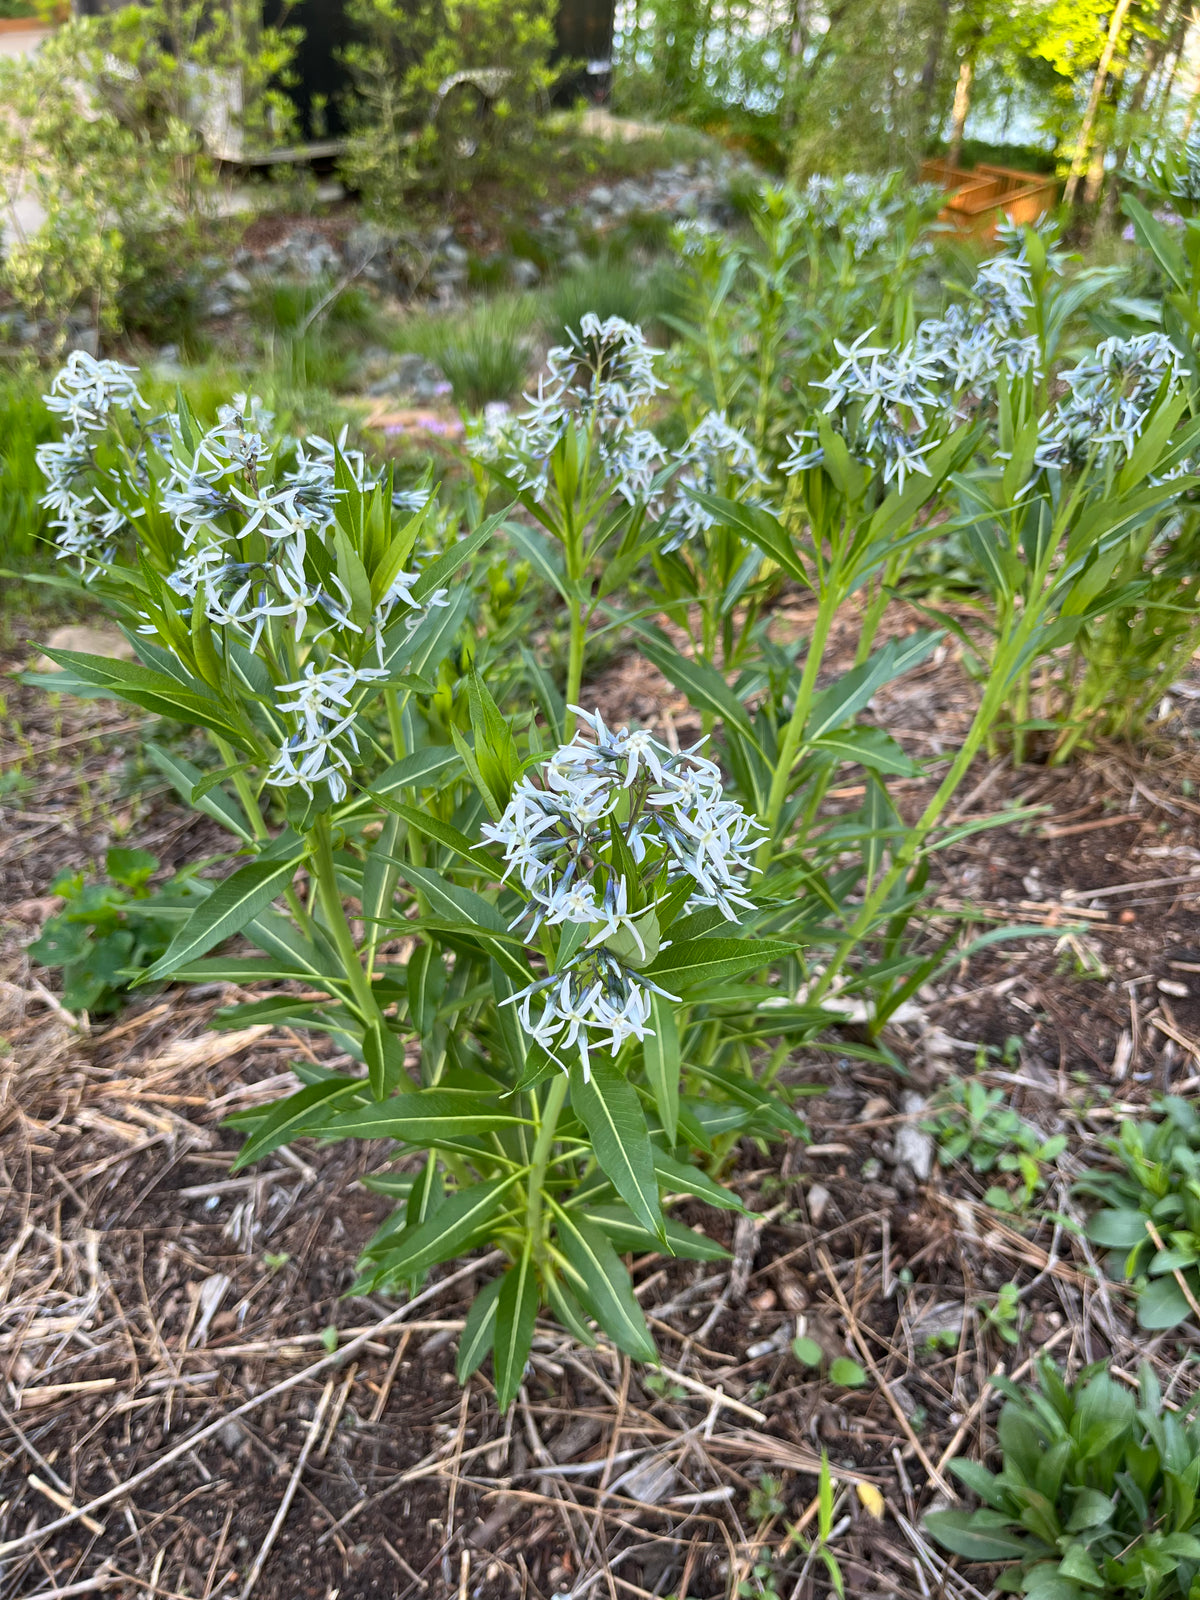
(324, 707)
(715, 458)
(601, 379)
(1109, 401)
(559, 839)
(604, 378)
(255, 518)
(892, 406)
(86, 522)
(859, 207)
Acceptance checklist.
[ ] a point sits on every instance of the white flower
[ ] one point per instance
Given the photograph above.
(87, 389)
(322, 712)
(558, 839)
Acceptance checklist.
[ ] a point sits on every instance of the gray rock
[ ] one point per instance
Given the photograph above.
(456, 255)
(913, 1147)
(524, 274)
(218, 305)
(235, 282)
(600, 198)
(231, 1434)
(87, 339)
(414, 378)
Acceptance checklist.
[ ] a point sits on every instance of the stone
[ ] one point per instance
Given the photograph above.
(913, 1147)
(818, 1203)
(524, 274)
(415, 378)
(456, 255)
(235, 282)
(218, 305)
(88, 641)
(600, 198)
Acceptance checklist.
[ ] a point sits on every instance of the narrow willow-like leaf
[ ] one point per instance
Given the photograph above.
(476, 1343)
(611, 1112)
(602, 1284)
(228, 909)
(516, 1314)
(660, 1055)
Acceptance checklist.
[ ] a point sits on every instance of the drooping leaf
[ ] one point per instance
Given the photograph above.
(228, 909)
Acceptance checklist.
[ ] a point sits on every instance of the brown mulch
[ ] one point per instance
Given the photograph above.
(147, 1295)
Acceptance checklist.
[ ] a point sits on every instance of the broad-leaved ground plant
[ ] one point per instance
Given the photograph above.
(1096, 1494)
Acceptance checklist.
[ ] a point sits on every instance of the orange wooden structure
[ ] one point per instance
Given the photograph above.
(980, 198)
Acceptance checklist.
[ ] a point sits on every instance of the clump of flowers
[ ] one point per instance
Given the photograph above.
(611, 824)
(879, 402)
(87, 521)
(255, 551)
(893, 406)
(1110, 400)
(715, 459)
(599, 381)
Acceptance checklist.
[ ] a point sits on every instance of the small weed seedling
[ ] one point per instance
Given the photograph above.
(108, 934)
(973, 1122)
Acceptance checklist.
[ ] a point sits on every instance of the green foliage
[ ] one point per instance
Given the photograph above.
(974, 1123)
(1096, 1492)
(109, 934)
(607, 286)
(127, 187)
(1004, 1317)
(24, 424)
(486, 353)
(1155, 1191)
(446, 96)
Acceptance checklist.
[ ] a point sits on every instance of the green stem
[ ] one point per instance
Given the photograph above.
(794, 733)
(258, 826)
(325, 872)
(547, 1123)
(391, 699)
(989, 708)
(575, 662)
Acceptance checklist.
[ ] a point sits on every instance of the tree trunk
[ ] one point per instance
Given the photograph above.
(1095, 174)
(962, 105)
(932, 69)
(1154, 57)
(1079, 160)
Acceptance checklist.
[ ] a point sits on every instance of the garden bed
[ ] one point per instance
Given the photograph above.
(149, 1296)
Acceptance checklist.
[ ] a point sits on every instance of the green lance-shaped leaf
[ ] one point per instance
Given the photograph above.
(626, 1234)
(424, 1117)
(760, 527)
(597, 1276)
(660, 1055)
(979, 1535)
(697, 963)
(229, 908)
(516, 1313)
(680, 1177)
(457, 1223)
(611, 1112)
(185, 778)
(703, 684)
(479, 1330)
(153, 691)
(307, 1111)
